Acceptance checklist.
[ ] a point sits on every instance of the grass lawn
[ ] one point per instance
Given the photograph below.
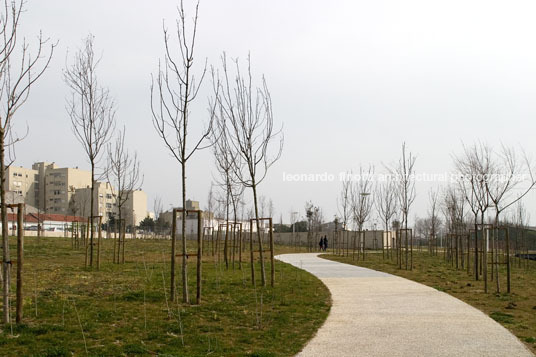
(124, 310)
(515, 311)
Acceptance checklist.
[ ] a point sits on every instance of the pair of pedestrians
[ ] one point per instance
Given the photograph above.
(323, 244)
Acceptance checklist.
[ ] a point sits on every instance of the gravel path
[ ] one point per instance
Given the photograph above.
(378, 314)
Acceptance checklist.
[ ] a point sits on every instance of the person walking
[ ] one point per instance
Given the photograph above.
(325, 242)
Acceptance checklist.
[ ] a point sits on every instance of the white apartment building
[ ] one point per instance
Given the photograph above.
(67, 191)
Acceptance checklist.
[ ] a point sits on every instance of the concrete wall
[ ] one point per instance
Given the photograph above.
(373, 239)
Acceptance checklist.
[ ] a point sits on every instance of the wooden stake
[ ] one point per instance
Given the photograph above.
(20, 255)
(99, 239)
(272, 262)
(199, 255)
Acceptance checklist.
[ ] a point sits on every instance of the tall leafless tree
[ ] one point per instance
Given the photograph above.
(92, 112)
(19, 70)
(386, 203)
(454, 211)
(225, 158)
(521, 217)
(362, 203)
(249, 114)
(434, 221)
(124, 175)
(474, 167)
(158, 208)
(173, 91)
(505, 188)
(345, 209)
(405, 172)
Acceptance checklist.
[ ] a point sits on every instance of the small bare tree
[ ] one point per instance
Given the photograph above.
(172, 93)
(123, 173)
(406, 193)
(225, 158)
(506, 176)
(454, 212)
(345, 209)
(92, 113)
(249, 114)
(473, 168)
(158, 208)
(362, 203)
(17, 76)
(386, 203)
(434, 221)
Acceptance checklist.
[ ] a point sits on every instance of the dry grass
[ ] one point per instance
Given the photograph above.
(122, 310)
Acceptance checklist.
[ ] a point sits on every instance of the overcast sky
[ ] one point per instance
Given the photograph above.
(350, 81)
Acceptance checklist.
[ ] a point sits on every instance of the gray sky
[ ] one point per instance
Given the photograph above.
(350, 80)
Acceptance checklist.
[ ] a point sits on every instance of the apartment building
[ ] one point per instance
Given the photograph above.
(135, 208)
(103, 201)
(67, 191)
(60, 184)
(21, 182)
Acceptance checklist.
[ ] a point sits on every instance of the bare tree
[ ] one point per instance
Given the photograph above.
(345, 209)
(434, 221)
(474, 167)
(17, 76)
(226, 160)
(237, 195)
(123, 173)
(309, 213)
(507, 176)
(315, 218)
(386, 203)
(406, 192)
(521, 218)
(249, 113)
(158, 208)
(92, 112)
(454, 211)
(172, 93)
(362, 203)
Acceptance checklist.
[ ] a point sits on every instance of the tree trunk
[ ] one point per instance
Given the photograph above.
(20, 258)
(508, 285)
(484, 253)
(6, 272)
(496, 249)
(225, 243)
(185, 297)
(252, 257)
(199, 256)
(173, 252)
(476, 246)
(406, 240)
(272, 261)
(92, 204)
(261, 255)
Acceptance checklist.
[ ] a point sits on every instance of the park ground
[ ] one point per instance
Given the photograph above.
(125, 309)
(515, 311)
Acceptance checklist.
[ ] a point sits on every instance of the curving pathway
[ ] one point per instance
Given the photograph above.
(378, 314)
